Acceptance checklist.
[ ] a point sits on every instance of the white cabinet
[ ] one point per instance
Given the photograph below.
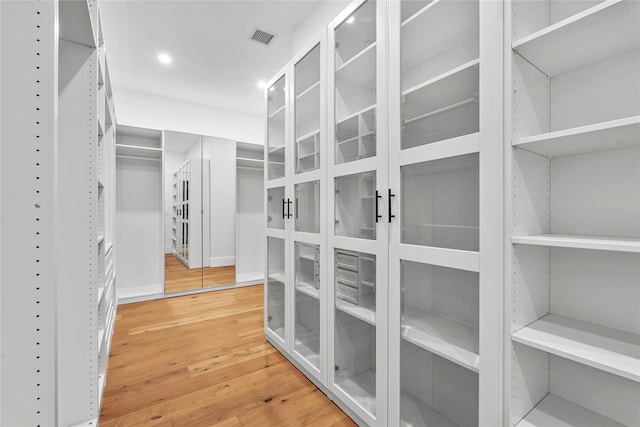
(295, 197)
(482, 241)
(574, 188)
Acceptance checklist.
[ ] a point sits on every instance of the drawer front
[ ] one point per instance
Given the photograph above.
(347, 261)
(347, 277)
(347, 293)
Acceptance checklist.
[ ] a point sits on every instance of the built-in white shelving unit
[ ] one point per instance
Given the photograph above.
(295, 297)
(407, 224)
(575, 202)
(58, 285)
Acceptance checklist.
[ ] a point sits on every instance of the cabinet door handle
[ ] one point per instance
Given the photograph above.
(283, 214)
(289, 214)
(378, 197)
(391, 216)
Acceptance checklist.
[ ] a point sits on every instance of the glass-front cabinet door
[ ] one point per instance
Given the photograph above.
(276, 286)
(434, 293)
(359, 210)
(278, 211)
(309, 190)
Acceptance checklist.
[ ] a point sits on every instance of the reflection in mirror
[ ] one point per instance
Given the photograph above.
(183, 178)
(199, 212)
(219, 214)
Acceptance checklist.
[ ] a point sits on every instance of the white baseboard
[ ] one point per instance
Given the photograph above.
(139, 293)
(168, 250)
(256, 276)
(222, 261)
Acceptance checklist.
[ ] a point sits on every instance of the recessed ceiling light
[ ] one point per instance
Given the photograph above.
(262, 84)
(165, 59)
(351, 19)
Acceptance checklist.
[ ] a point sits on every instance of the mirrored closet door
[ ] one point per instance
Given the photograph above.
(199, 212)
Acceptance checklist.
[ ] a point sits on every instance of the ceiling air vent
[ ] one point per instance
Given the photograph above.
(262, 37)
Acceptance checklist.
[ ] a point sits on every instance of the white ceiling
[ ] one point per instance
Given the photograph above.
(214, 62)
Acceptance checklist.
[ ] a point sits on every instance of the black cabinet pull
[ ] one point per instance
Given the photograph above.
(390, 214)
(283, 214)
(289, 214)
(378, 197)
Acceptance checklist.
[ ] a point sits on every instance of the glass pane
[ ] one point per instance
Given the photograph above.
(276, 131)
(307, 111)
(440, 203)
(355, 333)
(436, 391)
(440, 310)
(308, 207)
(355, 205)
(439, 70)
(307, 314)
(355, 85)
(276, 208)
(275, 286)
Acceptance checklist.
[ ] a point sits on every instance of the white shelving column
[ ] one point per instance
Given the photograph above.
(28, 138)
(445, 254)
(574, 213)
(58, 128)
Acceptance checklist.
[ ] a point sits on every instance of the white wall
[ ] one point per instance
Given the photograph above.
(222, 201)
(319, 17)
(138, 225)
(147, 110)
(250, 225)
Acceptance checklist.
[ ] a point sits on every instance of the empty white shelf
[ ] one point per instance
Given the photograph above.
(360, 69)
(365, 310)
(453, 89)
(277, 112)
(362, 388)
(249, 163)
(451, 340)
(307, 353)
(557, 412)
(617, 244)
(450, 79)
(447, 24)
(608, 349)
(611, 135)
(101, 333)
(601, 32)
(351, 116)
(308, 135)
(415, 413)
(101, 383)
(308, 289)
(138, 151)
(308, 105)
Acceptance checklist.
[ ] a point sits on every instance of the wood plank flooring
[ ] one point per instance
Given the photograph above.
(202, 360)
(177, 277)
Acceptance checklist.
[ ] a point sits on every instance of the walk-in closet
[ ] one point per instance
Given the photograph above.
(390, 213)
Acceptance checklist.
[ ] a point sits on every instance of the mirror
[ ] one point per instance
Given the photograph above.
(199, 195)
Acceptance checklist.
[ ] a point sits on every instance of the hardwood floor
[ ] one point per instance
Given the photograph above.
(177, 277)
(202, 360)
